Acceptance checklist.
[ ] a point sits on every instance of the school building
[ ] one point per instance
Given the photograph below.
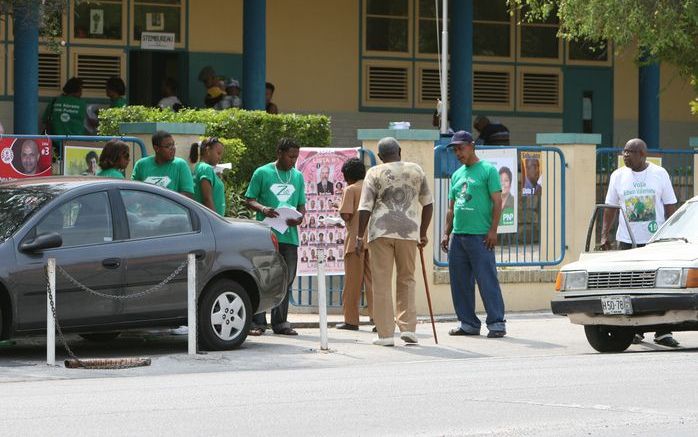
(363, 62)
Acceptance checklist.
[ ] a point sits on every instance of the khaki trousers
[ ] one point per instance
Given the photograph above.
(384, 253)
(357, 271)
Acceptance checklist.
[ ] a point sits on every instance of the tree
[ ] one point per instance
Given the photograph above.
(50, 14)
(664, 30)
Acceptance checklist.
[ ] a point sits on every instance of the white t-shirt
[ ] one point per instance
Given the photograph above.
(642, 195)
(169, 102)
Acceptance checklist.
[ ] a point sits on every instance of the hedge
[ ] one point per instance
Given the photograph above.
(258, 130)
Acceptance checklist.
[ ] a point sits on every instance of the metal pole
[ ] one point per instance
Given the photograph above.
(191, 302)
(322, 298)
(50, 321)
(444, 68)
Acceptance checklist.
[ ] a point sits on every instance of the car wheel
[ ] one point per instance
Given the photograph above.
(609, 338)
(100, 337)
(225, 315)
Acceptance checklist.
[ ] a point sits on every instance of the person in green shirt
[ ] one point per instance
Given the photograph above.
(114, 159)
(65, 114)
(209, 189)
(164, 169)
(279, 184)
(475, 205)
(116, 91)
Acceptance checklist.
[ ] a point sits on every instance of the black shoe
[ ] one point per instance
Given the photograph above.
(286, 331)
(666, 340)
(460, 331)
(347, 326)
(496, 334)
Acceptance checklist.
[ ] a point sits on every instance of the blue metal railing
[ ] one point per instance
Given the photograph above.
(540, 236)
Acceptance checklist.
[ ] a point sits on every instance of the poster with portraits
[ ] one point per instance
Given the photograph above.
(81, 160)
(24, 157)
(532, 173)
(505, 160)
(324, 185)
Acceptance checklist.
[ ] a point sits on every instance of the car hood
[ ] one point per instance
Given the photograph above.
(652, 256)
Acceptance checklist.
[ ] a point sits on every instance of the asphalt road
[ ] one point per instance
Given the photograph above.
(541, 380)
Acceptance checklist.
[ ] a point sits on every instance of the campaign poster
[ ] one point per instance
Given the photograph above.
(532, 173)
(506, 163)
(81, 161)
(24, 157)
(324, 185)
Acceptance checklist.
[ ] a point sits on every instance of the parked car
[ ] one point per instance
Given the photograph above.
(122, 237)
(618, 294)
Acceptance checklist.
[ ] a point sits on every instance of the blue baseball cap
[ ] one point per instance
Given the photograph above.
(461, 137)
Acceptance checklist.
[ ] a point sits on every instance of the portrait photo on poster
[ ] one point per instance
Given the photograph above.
(532, 173)
(504, 160)
(81, 160)
(25, 157)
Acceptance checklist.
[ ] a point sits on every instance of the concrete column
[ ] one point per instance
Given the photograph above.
(648, 115)
(579, 151)
(693, 143)
(254, 54)
(462, 65)
(26, 67)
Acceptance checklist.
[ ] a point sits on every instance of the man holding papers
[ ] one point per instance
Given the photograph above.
(277, 190)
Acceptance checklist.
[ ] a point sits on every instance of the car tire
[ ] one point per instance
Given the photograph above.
(224, 316)
(609, 338)
(100, 337)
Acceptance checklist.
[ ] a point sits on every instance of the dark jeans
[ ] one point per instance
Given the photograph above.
(469, 260)
(622, 245)
(279, 314)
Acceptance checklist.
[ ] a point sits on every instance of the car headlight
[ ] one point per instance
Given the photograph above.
(671, 278)
(567, 281)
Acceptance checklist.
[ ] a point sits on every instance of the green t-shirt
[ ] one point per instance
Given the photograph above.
(273, 189)
(118, 102)
(202, 172)
(174, 175)
(65, 115)
(110, 173)
(471, 190)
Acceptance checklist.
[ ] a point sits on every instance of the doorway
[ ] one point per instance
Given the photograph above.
(588, 106)
(148, 70)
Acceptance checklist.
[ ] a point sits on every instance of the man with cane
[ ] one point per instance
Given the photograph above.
(475, 204)
(392, 196)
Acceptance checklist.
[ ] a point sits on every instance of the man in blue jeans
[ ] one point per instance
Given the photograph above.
(475, 204)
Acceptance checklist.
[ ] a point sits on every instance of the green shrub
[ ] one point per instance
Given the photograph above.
(258, 131)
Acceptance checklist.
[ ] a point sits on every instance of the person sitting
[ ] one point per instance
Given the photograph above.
(169, 96)
(116, 92)
(491, 134)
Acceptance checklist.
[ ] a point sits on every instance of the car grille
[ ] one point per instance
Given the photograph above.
(643, 279)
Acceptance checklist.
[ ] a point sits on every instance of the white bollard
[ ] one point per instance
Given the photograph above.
(191, 302)
(50, 321)
(322, 298)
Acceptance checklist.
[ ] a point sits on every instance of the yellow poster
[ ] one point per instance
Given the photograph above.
(653, 159)
(81, 161)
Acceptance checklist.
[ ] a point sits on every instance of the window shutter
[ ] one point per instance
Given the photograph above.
(388, 84)
(541, 90)
(50, 71)
(94, 70)
(492, 88)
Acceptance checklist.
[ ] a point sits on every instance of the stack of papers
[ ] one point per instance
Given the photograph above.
(279, 223)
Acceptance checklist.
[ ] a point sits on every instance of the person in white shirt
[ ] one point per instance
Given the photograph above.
(169, 92)
(643, 191)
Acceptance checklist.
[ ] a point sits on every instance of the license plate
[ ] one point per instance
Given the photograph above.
(616, 305)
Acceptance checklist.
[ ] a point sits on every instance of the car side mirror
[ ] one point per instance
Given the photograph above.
(48, 240)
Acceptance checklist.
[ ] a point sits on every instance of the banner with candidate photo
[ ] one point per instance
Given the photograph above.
(81, 160)
(324, 186)
(24, 157)
(505, 162)
(532, 173)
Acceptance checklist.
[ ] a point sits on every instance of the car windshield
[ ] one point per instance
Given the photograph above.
(18, 204)
(682, 225)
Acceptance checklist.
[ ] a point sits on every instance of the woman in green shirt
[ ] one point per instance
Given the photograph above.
(208, 187)
(114, 159)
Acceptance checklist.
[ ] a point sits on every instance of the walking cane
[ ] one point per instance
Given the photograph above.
(426, 288)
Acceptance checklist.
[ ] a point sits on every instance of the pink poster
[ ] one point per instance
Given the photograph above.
(324, 184)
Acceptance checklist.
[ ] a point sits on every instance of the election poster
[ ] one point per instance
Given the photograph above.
(81, 161)
(324, 185)
(24, 157)
(506, 163)
(532, 173)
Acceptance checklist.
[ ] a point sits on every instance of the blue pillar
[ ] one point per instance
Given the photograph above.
(461, 29)
(26, 67)
(648, 115)
(254, 53)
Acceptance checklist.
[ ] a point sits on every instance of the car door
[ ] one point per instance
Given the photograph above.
(89, 254)
(162, 231)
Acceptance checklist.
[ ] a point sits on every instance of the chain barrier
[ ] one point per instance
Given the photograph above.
(75, 282)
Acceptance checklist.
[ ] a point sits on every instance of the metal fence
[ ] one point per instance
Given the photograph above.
(539, 239)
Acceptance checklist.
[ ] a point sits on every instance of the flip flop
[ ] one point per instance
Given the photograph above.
(256, 332)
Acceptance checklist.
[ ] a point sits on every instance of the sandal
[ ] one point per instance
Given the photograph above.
(286, 331)
(255, 332)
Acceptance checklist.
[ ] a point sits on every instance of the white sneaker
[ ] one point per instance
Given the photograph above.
(387, 341)
(409, 337)
(182, 330)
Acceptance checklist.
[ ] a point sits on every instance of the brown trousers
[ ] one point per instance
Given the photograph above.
(386, 252)
(357, 271)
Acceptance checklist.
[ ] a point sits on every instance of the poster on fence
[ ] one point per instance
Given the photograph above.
(656, 160)
(24, 157)
(532, 173)
(505, 162)
(324, 185)
(81, 160)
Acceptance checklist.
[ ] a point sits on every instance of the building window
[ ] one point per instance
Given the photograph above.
(157, 16)
(588, 52)
(491, 28)
(540, 89)
(99, 21)
(428, 38)
(539, 39)
(95, 65)
(387, 26)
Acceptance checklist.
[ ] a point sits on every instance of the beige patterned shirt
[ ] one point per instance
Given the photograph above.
(395, 193)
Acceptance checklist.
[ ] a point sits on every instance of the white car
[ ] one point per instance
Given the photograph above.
(618, 294)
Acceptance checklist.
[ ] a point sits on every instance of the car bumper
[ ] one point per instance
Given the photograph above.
(646, 304)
